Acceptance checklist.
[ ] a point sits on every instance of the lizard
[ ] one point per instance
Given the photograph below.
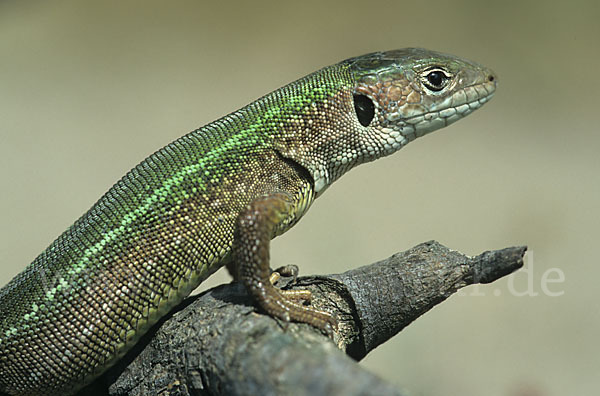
(216, 197)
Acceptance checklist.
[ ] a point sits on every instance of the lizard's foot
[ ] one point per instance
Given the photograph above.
(255, 227)
(284, 305)
(290, 270)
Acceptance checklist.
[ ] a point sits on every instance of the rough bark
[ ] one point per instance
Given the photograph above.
(219, 344)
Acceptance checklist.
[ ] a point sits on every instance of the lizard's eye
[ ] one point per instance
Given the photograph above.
(435, 79)
(365, 109)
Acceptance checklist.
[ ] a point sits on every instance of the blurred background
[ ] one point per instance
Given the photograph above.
(89, 89)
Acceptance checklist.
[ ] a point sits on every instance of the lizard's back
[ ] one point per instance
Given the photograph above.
(144, 246)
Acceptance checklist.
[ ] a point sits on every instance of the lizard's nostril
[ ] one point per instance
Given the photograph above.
(491, 78)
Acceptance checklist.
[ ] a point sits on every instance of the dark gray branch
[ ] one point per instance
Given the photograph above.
(218, 344)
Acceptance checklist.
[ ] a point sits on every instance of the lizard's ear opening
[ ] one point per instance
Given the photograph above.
(365, 109)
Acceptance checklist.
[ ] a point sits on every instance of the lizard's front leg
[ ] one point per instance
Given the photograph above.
(254, 229)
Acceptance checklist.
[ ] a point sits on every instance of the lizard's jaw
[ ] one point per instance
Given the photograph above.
(456, 106)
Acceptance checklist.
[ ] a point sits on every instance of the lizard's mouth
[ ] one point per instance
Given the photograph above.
(456, 106)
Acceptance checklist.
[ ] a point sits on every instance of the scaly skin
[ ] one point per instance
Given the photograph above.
(216, 197)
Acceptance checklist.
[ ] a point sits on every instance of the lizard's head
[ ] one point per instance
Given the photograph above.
(393, 97)
(403, 94)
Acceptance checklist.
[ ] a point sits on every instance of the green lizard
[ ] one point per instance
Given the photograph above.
(216, 197)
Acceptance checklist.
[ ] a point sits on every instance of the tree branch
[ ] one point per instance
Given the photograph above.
(217, 343)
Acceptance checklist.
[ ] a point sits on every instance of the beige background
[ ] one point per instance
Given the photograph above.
(88, 89)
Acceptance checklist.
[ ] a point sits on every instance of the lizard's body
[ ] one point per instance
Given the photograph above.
(220, 192)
